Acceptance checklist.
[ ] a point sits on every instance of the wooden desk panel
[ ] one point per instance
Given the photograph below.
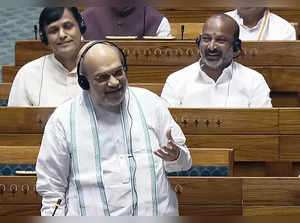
(246, 147)
(222, 121)
(271, 191)
(179, 53)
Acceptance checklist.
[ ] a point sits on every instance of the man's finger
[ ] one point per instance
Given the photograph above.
(169, 136)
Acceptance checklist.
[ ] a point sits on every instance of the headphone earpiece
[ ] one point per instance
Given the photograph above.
(82, 80)
(43, 37)
(198, 40)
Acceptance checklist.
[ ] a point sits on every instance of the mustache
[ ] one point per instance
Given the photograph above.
(213, 52)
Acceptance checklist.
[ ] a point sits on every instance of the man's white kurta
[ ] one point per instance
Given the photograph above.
(43, 82)
(237, 87)
(96, 179)
(276, 28)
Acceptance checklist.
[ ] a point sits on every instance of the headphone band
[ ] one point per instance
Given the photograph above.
(82, 80)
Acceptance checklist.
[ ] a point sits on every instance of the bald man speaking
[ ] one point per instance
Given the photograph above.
(107, 151)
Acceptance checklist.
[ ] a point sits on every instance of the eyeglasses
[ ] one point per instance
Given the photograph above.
(103, 77)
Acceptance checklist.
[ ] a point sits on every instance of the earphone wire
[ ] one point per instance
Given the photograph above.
(130, 142)
(42, 79)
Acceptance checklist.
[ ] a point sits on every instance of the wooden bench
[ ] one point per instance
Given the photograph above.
(266, 141)
(201, 196)
(153, 61)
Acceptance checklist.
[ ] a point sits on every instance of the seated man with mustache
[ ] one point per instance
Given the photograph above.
(216, 80)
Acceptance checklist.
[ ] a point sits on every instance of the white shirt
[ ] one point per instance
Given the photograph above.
(238, 86)
(43, 82)
(276, 28)
(164, 28)
(71, 167)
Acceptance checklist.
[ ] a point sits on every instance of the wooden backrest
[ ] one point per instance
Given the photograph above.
(190, 30)
(19, 154)
(4, 90)
(213, 157)
(178, 52)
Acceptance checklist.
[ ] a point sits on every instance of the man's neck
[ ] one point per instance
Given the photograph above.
(69, 63)
(99, 108)
(213, 74)
(251, 21)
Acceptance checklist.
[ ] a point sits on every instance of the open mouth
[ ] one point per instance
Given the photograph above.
(213, 56)
(64, 43)
(113, 91)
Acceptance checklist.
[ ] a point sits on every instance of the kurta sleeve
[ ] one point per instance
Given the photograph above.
(261, 94)
(169, 94)
(18, 94)
(164, 28)
(53, 167)
(184, 161)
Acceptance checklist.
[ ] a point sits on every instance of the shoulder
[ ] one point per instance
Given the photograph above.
(246, 73)
(277, 20)
(146, 98)
(34, 64)
(232, 13)
(142, 93)
(192, 71)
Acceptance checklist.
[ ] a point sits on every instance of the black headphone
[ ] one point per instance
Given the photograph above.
(82, 80)
(237, 44)
(78, 17)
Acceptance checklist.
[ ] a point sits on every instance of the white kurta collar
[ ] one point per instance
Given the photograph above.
(224, 77)
(62, 67)
(240, 21)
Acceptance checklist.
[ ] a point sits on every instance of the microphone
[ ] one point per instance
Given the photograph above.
(56, 206)
(35, 31)
(182, 31)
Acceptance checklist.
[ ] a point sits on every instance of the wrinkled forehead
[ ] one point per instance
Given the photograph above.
(219, 26)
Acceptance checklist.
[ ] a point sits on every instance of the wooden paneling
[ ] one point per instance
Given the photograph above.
(290, 147)
(220, 196)
(20, 210)
(246, 147)
(271, 211)
(24, 119)
(4, 91)
(21, 139)
(18, 154)
(211, 157)
(211, 210)
(222, 121)
(179, 53)
(9, 72)
(190, 30)
(18, 190)
(271, 191)
(289, 121)
(195, 190)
